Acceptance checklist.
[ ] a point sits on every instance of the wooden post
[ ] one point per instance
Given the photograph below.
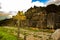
(18, 34)
(24, 37)
(19, 17)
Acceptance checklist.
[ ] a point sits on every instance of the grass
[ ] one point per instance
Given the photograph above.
(7, 34)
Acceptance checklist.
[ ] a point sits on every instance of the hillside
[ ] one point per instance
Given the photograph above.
(40, 17)
(44, 17)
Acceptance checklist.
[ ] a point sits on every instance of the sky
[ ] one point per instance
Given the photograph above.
(24, 5)
(43, 1)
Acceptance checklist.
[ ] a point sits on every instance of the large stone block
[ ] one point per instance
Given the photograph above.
(56, 35)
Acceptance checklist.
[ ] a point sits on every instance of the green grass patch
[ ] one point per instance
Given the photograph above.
(7, 34)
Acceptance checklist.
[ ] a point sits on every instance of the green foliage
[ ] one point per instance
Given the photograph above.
(6, 36)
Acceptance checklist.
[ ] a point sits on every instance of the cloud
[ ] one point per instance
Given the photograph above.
(23, 5)
(57, 2)
(37, 3)
(15, 5)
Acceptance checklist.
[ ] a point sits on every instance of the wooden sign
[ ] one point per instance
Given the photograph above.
(20, 16)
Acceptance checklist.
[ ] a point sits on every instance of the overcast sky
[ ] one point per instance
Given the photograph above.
(23, 5)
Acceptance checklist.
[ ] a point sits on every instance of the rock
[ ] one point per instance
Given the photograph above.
(56, 35)
(30, 37)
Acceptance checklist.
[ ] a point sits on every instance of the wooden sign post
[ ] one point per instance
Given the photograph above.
(19, 17)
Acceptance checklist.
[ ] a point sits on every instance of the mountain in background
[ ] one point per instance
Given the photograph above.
(4, 15)
(44, 17)
(41, 17)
